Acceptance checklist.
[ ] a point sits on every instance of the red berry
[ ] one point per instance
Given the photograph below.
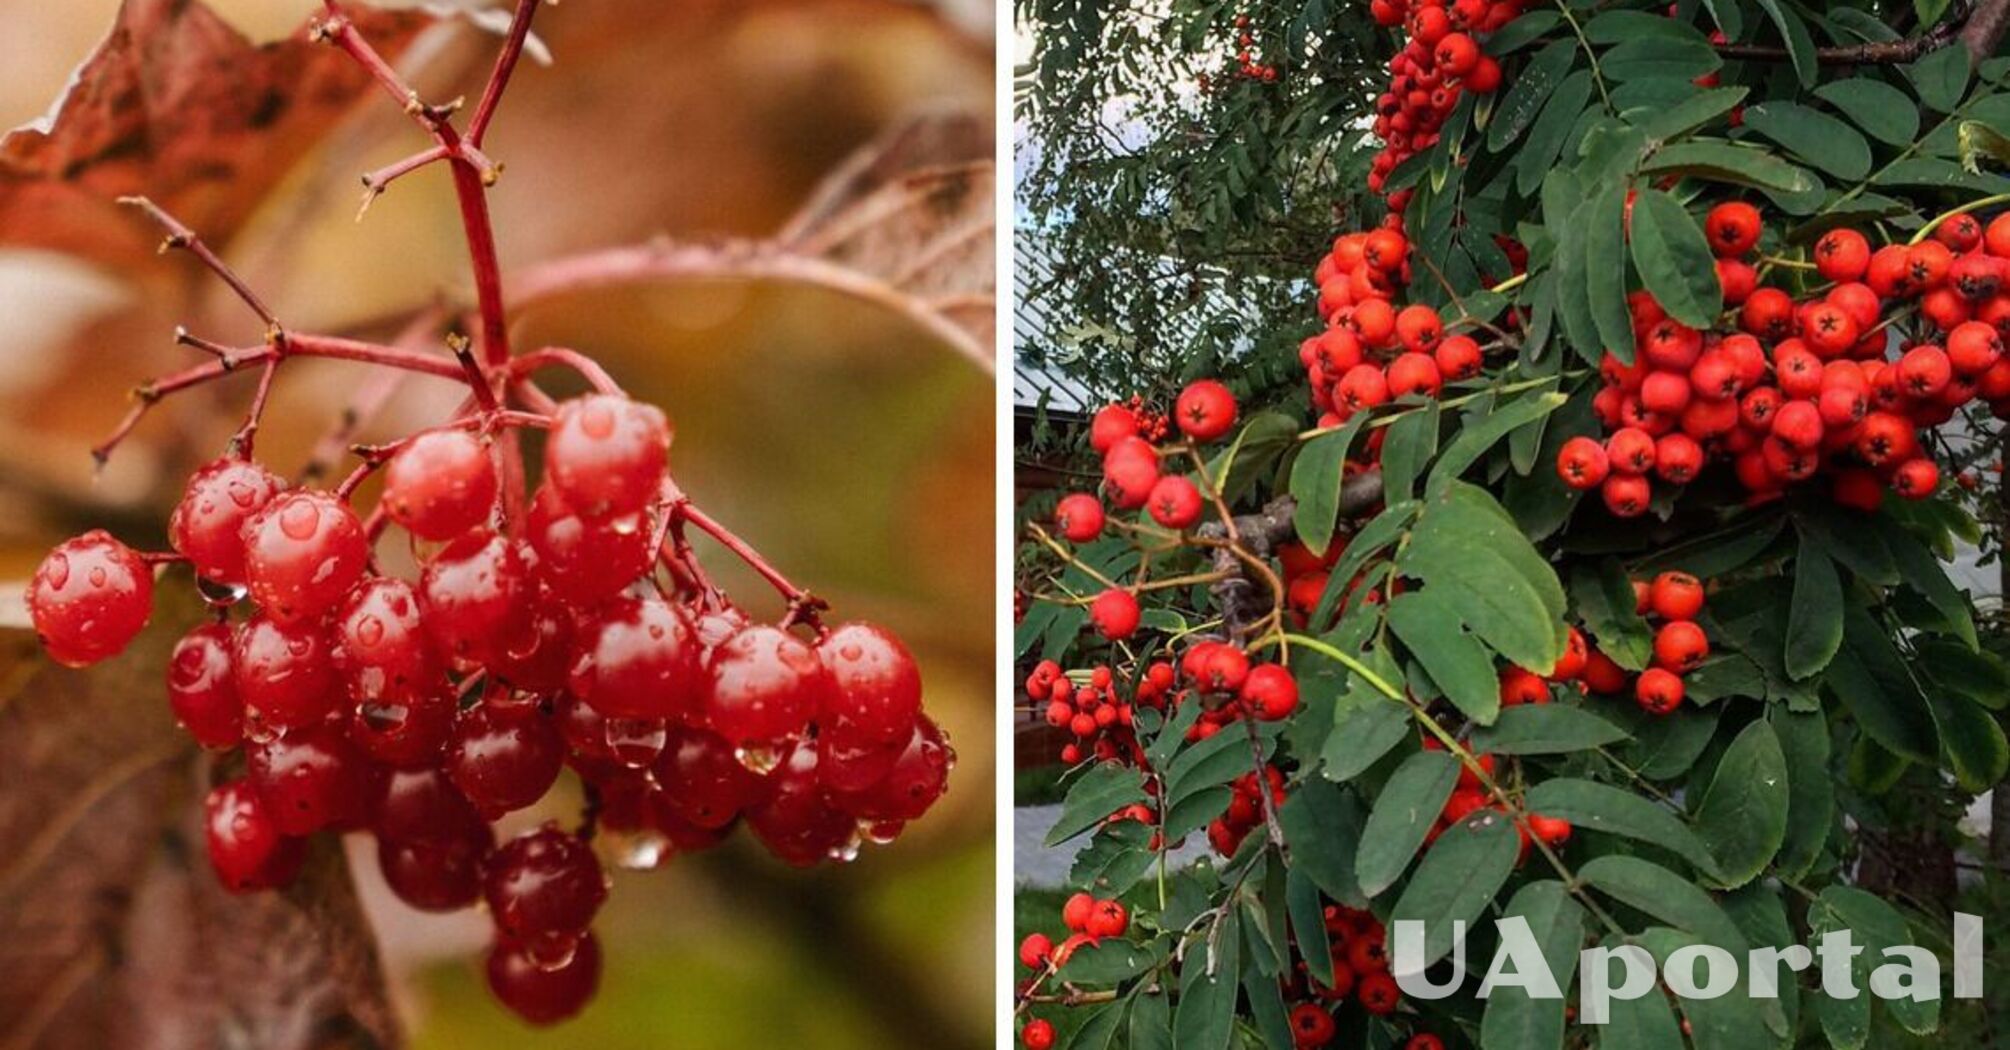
(796, 820)
(584, 562)
(875, 693)
(1038, 1034)
(639, 658)
(1112, 424)
(1270, 692)
(606, 454)
(312, 778)
(470, 592)
(543, 889)
(246, 847)
(1205, 410)
(302, 553)
(207, 525)
(1732, 228)
(1115, 614)
(1916, 478)
(89, 598)
(764, 685)
(435, 876)
(1079, 517)
(1379, 994)
(1842, 254)
(1675, 596)
(440, 484)
(1553, 830)
(202, 688)
(1174, 502)
(702, 782)
(1658, 691)
(1680, 645)
(1311, 1027)
(503, 764)
(1582, 463)
(380, 643)
(405, 732)
(284, 672)
(422, 805)
(1034, 951)
(541, 993)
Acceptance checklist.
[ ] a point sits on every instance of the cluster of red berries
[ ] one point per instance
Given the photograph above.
(1439, 62)
(1089, 921)
(1125, 436)
(1244, 814)
(1357, 944)
(424, 710)
(1818, 387)
(1674, 599)
(1374, 351)
(1089, 707)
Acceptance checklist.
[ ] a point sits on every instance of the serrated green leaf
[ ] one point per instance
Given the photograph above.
(1403, 815)
(1815, 618)
(1467, 545)
(1323, 825)
(1605, 268)
(1651, 888)
(1813, 136)
(1723, 162)
(1514, 1020)
(1209, 982)
(1694, 110)
(1804, 744)
(1476, 437)
(1674, 260)
(1615, 811)
(1101, 791)
(1434, 632)
(1546, 729)
(1545, 138)
(1800, 45)
(1882, 111)
(1458, 878)
(1743, 815)
(1315, 484)
(1410, 443)
(1941, 78)
(1528, 91)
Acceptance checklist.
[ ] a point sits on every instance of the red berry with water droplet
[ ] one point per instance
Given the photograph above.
(702, 782)
(440, 484)
(539, 993)
(503, 764)
(764, 685)
(202, 687)
(585, 561)
(638, 658)
(312, 779)
(285, 673)
(302, 553)
(544, 885)
(471, 592)
(246, 847)
(381, 648)
(875, 693)
(207, 525)
(89, 598)
(605, 454)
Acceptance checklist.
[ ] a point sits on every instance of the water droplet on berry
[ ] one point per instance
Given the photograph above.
(640, 850)
(97, 576)
(300, 520)
(626, 525)
(851, 651)
(370, 630)
(879, 832)
(759, 760)
(383, 718)
(552, 951)
(635, 742)
(597, 420)
(848, 852)
(216, 592)
(242, 493)
(57, 569)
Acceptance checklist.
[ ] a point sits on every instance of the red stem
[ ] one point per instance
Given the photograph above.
(802, 604)
(519, 32)
(566, 357)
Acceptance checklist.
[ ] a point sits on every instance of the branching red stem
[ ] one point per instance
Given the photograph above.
(180, 236)
(566, 357)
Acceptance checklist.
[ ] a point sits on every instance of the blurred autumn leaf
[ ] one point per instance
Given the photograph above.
(836, 410)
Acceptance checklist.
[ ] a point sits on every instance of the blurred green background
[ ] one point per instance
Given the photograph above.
(850, 447)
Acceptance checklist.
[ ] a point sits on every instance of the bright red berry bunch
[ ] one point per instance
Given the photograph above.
(1373, 350)
(1356, 942)
(569, 625)
(1090, 921)
(1439, 63)
(1838, 383)
(1090, 707)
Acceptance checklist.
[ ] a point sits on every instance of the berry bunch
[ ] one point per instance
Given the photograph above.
(1088, 705)
(1356, 942)
(1374, 351)
(1471, 795)
(1439, 63)
(572, 625)
(1838, 383)
(1089, 922)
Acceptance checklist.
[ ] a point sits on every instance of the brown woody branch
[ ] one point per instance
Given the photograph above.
(1259, 534)
(1981, 29)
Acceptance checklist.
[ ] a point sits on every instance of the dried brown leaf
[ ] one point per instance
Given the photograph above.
(178, 105)
(113, 930)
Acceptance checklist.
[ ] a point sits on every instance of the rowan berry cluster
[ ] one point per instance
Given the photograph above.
(1356, 942)
(1838, 384)
(1374, 351)
(1088, 705)
(1089, 922)
(569, 626)
(1440, 62)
